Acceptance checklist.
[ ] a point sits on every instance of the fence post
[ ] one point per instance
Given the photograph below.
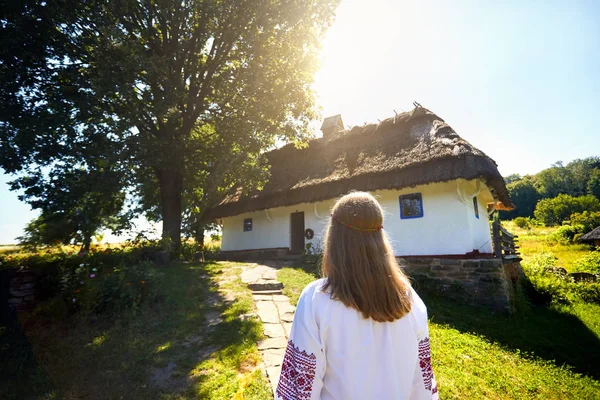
(496, 238)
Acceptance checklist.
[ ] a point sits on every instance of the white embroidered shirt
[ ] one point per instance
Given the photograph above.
(335, 353)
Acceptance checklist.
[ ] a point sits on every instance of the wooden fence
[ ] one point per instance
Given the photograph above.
(504, 242)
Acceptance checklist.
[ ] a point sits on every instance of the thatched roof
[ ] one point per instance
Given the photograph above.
(412, 148)
(591, 236)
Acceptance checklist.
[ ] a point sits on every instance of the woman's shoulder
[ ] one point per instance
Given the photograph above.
(313, 290)
(314, 287)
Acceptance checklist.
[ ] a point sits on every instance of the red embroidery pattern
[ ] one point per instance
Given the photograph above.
(425, 363)
(297, 374)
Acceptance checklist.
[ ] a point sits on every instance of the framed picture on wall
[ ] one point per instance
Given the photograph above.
(411, 206)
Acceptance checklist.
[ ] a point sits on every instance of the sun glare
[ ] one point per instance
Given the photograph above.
(375, 57)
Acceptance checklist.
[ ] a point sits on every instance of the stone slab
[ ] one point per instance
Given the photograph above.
(288, 329)
(281, 299)
(285, 308)
(272, 343)
(273, 357)
(273, 374)
(250, 275)
(269, 316)
(266, 292)
(263, 284)
(274, 330)
(262, 297)
(287, 317)
(265, 305)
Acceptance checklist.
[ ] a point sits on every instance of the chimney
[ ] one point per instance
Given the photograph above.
(332, 126)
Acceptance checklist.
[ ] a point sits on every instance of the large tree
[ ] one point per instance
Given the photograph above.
(190, 92)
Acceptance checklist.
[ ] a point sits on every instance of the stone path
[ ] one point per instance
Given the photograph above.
(276, 313)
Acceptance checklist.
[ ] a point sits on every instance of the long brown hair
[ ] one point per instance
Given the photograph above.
(359, 262)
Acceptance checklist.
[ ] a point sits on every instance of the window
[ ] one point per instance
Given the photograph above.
(411, 206)
(247, 224)
(476, 207)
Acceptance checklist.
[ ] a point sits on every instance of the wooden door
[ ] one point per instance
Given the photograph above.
(297, 234)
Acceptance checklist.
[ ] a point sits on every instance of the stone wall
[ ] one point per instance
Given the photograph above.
(490, 283)
(20, 292)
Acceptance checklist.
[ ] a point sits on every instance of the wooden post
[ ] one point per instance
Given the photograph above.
(496, 239)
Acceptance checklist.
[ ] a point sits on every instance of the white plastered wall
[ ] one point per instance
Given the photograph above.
(448, 225)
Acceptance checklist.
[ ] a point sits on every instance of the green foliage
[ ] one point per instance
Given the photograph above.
(558, 209)
(95, 287)
(525, 196)
(566, 234)
(522, 222)
(577, 178)
(593, 186)
(589, 263)
(547, 286)
(181, 98)
(512, 178)
(588, 219)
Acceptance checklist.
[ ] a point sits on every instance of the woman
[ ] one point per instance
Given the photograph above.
(360, 332)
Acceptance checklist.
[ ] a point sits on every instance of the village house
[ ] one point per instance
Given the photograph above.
(437, 190)
(592, 237)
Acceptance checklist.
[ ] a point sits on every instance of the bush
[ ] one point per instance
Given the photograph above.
(102, 281)
(558, 209)
(98, 287)
(588, 219)
(522, 222)
(566, 234)
(589, 263)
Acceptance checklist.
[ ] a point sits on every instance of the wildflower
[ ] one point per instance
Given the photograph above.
(81, 282)
(70, 252)
(94, 269)
(81, 265)
(74, 300)
(92, 276)
(77, 291)
(128, 283)
(143, 282)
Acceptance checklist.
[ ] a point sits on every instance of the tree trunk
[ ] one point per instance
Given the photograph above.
(199, 234)
(171, 187)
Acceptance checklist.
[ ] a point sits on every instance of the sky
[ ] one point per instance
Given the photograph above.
(519, 80)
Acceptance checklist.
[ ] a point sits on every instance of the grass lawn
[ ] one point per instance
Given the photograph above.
(194, 342)
(539, 353)
(535, 240)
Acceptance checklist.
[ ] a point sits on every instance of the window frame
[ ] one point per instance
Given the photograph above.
(411, 195)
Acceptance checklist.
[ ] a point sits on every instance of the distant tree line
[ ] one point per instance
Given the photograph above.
(554, 194)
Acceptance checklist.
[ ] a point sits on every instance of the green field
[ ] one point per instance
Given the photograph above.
(537, 239)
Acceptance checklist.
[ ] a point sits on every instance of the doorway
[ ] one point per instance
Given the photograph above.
(297, 232)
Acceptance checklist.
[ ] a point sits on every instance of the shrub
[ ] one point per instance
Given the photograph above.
(98, 287)
(566, 234)
(558, 209)
(588, 219)
(215, 237)
(522, 222)
(589, 263)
